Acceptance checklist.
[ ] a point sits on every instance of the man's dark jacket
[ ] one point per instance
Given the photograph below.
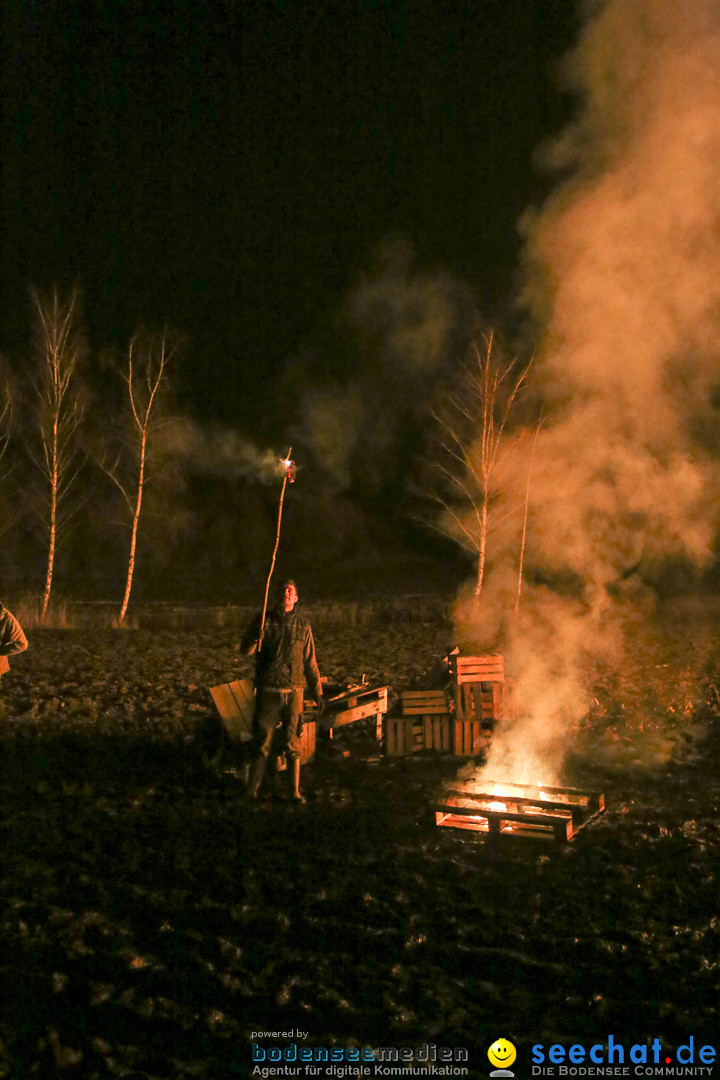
(287, 657)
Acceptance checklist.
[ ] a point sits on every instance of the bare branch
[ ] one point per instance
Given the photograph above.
(471, 450)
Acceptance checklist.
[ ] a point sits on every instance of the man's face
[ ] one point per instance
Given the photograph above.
(291, 597)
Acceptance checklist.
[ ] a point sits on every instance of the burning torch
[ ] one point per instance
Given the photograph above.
(289, 470)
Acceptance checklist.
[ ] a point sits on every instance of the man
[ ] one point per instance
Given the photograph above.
(285, 661)
(12, 638)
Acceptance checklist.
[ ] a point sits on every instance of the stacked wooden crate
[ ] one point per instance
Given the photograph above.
(458, 716)
(425, 724)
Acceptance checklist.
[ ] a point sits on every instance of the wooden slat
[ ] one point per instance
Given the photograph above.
(243, 691)
(480, 669)
(422, 697)
(487, 660)
(235, 703)
(479, 676)
(224, 699)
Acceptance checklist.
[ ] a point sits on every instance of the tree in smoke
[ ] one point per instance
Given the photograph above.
(467, 464)
(59, 405)
(145, 373)
(7, 408)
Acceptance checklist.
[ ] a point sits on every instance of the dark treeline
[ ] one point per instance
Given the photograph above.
(109, 490)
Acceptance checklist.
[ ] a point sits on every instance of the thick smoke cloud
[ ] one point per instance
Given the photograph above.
(401, 328)
(623, 279)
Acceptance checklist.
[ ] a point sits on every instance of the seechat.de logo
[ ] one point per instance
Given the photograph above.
(502, 1053)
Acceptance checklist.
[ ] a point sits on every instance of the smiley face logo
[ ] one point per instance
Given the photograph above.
(502, 1053)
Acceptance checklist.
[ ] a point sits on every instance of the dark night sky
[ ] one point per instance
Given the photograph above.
(230, 168)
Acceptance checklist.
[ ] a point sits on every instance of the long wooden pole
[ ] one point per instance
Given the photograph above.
(272, 562)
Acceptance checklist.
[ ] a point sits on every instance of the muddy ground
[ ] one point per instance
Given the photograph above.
(150, 923)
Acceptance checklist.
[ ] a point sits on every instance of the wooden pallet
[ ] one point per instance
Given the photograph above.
(519, 811)
(359, 703)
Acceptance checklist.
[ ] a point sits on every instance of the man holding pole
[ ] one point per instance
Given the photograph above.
(285, 661)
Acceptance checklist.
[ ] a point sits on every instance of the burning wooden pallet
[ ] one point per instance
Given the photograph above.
(518, 810)
(457, 712)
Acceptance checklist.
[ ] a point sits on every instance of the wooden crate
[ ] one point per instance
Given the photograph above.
(438, 732)
(473, 669)
(469, 739)
(488, 702)
(402, 736)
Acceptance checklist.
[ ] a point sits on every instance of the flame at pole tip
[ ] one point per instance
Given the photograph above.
(288, 467)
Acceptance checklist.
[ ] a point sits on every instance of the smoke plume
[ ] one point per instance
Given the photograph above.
(623, 279)
(221, 452)
(400, 328)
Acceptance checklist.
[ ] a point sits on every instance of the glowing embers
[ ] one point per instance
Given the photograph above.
(507, 809)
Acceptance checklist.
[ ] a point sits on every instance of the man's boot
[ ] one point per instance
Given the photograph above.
(293, 771)
(256, 777)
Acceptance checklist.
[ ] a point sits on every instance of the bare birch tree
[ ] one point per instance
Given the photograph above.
(469, 447)
(59, 401)
(146, 377)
